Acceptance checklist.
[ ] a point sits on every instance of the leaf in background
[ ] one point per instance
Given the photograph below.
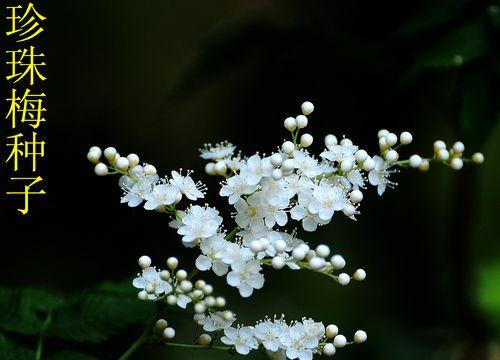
(431, 15)
(461, 46)
(98, 316)
(70, 355)
(488, 293)
(22, 311)
(494, 13)
(11, 351)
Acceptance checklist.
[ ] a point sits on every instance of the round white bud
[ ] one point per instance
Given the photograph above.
(144, 262)
(349, 210)
(200, 307)
(276, 159)
(330, 140)
(392, 156)
(210, 169)
(208, 289)
(210, 301)
(199, 284)
(360, 337)
(359, 275)
(307, 107)
(424, 166)
(346, 142)
(277, 174)
(165, 275)
(96, 149)
(339, 341)
(415, 161)
(93, 157)
(478, 158)
(405, 138)
(220, 168)
(204, 339)
(198, 294)
(316, 263)
(256, 246)
(329, 349)
(288, 165)
(456, 163)
(288, 147)
(279, 245)
(382, 144)
(443, 154)
(181, 275)
(301, 121)
(356, 196)
(337, 262)
(304, 247)
(142, 295)
(169, 333)
(161, 324)
(344, 279)
(278, 262)
(186, 286)
(391, 139)
(369, 164)
(101, 169)
(458, 147)
(290, 124)
(150, 289)
(346, 165)
(306, 140)
(220, 302)
(361, 155)
(382, 133)
(228, 315)
(149, 170)
(298, 253)
(172, 263)
(439, 145)
(122, 163)
(323, 250)
(331, 331)
(133, 160)
(171, 300)
(264, 243)
(110, 153)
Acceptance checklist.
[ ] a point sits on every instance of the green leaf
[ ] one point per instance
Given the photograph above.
(488, 293)
(461, 46)
(9, 350)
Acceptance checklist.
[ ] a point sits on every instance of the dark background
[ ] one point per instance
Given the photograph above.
(160, 78)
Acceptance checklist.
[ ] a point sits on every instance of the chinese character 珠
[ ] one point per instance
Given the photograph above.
(25, 60)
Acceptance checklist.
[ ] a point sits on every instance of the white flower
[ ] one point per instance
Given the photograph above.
(151, 282)
(134, 196)
(249, 212)
(295, 341)
(183, 300)
(235, 187)
(340, 153)
(379, 176)
(246, 276)
(215, 321)
(187, 186)
(298, 184)
(220, 151)
(161, 195)
(306, 164)
(268, 334)
(326, 200)
(355, 177)
(242, 339)
(255, 169)
(199, 223)
(213, 249)
(236, 253)
(276, 192)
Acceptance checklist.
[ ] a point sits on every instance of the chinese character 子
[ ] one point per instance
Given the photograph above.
(25, 149)
(25, 62)
(27, 191)
(26, 26)
(29, 108)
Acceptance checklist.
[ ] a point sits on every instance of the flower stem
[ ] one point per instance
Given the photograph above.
(45, 326)
(198, 347)
(137, 344)
(233, 233)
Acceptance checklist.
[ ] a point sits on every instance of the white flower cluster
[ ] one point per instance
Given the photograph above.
(266, 193)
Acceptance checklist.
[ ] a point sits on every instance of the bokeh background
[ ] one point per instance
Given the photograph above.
(160, 78)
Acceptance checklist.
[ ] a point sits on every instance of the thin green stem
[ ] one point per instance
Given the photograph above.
(45, 326)
(305, 265)
(233, 233)
(137, 344)
(198, 347)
